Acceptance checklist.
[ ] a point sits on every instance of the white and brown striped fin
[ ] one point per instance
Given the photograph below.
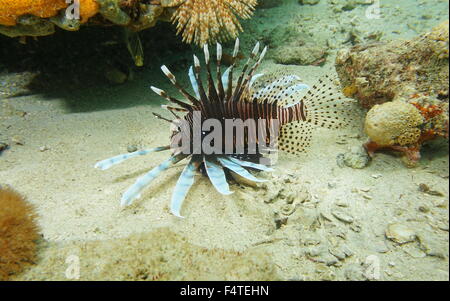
(197, 71)
(173, 110)
(229, 86)
(237, 89)
(206, 104)
(173, 80)
(220, 88)
(276, 90)
(252, 72)
(272, 76)
(290, 96)
(212, 92)
(163, 93)
(194, 83)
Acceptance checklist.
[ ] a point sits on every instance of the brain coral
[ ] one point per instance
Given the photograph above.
(394, 123)
(10, 10)
(18, 233)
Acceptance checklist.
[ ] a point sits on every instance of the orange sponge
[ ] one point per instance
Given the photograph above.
(10, 10)
(18, 233)
(88, 8)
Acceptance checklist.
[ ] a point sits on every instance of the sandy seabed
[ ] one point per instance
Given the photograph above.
(334, 231)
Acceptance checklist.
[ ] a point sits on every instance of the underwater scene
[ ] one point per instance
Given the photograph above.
(219, 140)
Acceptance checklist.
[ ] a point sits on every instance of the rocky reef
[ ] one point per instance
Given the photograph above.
(10, 11)
(39, 17)
(405, 86)
(378, 72)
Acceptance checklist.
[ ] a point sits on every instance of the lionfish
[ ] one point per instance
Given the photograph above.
(278, 100)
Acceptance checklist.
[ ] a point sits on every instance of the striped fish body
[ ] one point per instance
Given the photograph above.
(255, 110)
(281, 99)
(283, 104)
(246, 111)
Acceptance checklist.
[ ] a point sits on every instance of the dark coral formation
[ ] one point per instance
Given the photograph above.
(199, 21)
(18, 233)
(135, 14)
(379, 72)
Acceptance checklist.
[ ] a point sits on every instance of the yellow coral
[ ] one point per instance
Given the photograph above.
(393, 123)
(349, 91)
(10, 10)
(208, 21)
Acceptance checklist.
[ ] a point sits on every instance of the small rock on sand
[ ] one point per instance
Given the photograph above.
(400, 233)
(356, 157)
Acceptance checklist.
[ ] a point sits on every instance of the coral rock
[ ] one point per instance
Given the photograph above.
(11, 10)
(300, 55)
(111, 10)
(382, 72)
(21, 18)
(30, 26)
(308, 2)
(148, 17)
(269, 3)
(356, 158)
(199, 21)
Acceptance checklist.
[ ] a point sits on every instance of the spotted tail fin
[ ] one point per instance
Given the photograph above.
(324, 105)
(321, 106)
(295, 137)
